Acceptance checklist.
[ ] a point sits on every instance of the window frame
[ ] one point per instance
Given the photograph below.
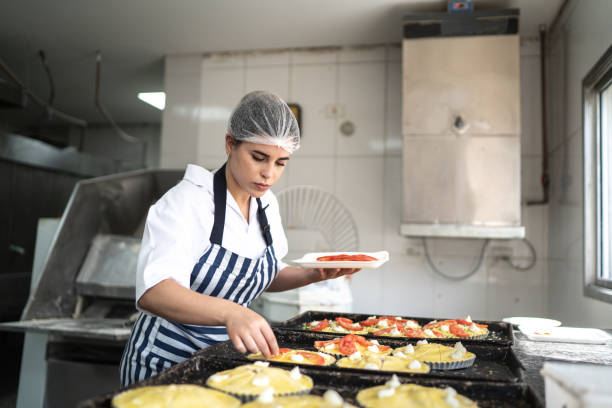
(594, 83)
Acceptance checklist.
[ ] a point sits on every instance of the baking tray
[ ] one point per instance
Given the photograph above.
(197, 369)
(497, 364)
(500, 333)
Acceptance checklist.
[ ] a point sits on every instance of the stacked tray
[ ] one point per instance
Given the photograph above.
(500, 333)
(492, 364)
(347, 382)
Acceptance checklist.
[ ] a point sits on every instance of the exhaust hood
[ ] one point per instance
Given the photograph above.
(461, 126)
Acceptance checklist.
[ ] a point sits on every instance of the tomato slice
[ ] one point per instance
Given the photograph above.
(413, 332)
(348, 323)
(369, 322)
(346, 257)
(312, 357)
(323, 343)
(438, 333)
(458, 331)
(347, 346)
(323, 324)
(383, 331)
(361, 340)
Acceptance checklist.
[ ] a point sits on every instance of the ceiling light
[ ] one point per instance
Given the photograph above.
(157, 99)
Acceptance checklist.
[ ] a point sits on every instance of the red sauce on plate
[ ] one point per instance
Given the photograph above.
(345, 257)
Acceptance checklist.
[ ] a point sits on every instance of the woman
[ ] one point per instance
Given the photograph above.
(208, 249)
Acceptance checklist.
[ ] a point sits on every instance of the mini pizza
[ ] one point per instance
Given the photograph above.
(438, 356)
(459, 328)
(392, 326)
(345, 257)
(350, 344)
(404, 365)
(293, 356)
(364, 361)
(338, 325)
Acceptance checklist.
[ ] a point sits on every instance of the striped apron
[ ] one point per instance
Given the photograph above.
(156, 344)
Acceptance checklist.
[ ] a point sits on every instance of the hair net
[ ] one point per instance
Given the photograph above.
(263, 117)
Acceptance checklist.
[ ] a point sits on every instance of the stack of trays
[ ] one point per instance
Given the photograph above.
(494, 380)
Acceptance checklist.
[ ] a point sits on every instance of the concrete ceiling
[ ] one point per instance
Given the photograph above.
(134, 36)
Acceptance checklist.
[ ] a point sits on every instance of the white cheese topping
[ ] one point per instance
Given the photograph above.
(445, 327)
(372, 317)
(297, 358)
(355, 356)
(429, 332)
(262, 363)
(370, 366)
(314, 323)
(459, 346)
(373, 348)
(469, 318)
(261, 381)
(474, 327)
(457, 354)
(421, 342)
(395, 332)
(412, 324)
(400, 354)
(410, 348)
(295, 373)
(386, 392)
(267, 396)
(340, 329)
(383, 323)
(333, 398)
(375, 342)
(218, 377)
(399, 318)
(330, 346)
(414, 365)
(325, 356)
(393, 382)
(451, 397)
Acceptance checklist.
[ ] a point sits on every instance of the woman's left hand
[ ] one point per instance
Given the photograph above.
(332, 273)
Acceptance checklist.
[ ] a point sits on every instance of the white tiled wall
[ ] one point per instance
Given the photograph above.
(364, 170)
(582, 37)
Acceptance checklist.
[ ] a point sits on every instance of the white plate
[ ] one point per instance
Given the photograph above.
(309, 260)
(566, 334)
(532, 321)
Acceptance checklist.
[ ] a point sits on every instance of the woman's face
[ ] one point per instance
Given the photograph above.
(254, 166)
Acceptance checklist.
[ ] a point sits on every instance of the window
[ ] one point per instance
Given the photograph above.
(597, 131)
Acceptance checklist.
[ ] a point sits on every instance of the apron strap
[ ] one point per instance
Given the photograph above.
(220, 198)
(263, 223)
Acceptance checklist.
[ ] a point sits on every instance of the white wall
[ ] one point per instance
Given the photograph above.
(581, 38)
(363, 84)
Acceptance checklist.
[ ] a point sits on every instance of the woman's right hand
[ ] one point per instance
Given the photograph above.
(249, 331)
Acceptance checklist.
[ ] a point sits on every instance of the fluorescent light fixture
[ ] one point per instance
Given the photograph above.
(157, 99)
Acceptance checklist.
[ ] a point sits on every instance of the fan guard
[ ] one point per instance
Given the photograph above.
(310, 207)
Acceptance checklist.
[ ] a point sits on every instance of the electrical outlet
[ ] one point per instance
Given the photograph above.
(501, 252)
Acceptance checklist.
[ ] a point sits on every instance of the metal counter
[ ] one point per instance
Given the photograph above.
(533, 354)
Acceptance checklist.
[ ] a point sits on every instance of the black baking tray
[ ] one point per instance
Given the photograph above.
(500, 333)
(198, 368)
(498, 364)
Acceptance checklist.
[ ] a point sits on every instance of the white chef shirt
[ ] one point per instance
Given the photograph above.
(178, 226)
